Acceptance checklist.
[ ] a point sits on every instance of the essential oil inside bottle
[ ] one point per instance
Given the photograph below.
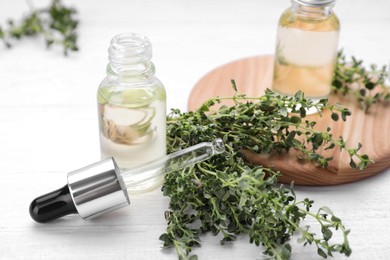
(131, 129)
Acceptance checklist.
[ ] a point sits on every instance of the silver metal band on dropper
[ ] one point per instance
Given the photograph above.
(97, 189)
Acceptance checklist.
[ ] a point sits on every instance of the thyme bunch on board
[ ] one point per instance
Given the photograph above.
(367, 85)
(227, 196)
(55, 23)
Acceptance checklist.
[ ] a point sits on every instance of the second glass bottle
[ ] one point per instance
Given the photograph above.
(306, 49)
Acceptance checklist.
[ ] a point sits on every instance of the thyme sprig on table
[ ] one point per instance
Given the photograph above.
(368, 86)
(228, 196)
(56, 24)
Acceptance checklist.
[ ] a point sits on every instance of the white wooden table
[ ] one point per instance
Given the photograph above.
(48, 122)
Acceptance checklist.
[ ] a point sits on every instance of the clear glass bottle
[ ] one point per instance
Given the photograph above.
(131, 104)
(306, 49)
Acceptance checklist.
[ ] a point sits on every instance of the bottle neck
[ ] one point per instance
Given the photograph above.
(313, 9)
(130, 58)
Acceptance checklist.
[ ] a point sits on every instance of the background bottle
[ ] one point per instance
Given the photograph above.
(306, 49)
(132, 105)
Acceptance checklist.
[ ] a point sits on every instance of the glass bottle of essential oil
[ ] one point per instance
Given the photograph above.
(306, 49)
(132, 105)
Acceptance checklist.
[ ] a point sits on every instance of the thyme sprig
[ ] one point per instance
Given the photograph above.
(228, 196)
(56, 24)
(367, 85)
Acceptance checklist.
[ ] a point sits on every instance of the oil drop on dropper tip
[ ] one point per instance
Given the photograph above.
(101, 187)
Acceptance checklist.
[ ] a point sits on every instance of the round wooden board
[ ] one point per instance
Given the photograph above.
(254, 74)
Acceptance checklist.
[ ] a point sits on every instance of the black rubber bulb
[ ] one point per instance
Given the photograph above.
(53, 205)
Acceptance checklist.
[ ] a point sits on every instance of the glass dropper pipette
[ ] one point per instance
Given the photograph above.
(136, 179)
(101, 187)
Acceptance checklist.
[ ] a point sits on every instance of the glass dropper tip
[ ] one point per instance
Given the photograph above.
(218, 146)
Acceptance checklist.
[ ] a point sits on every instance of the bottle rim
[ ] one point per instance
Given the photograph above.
(130, 48)
(315, 3)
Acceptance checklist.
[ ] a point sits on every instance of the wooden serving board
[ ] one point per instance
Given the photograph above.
(253, 75)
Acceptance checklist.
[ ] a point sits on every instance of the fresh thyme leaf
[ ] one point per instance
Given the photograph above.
(228, 196)
(56, 24)
(367, 85)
